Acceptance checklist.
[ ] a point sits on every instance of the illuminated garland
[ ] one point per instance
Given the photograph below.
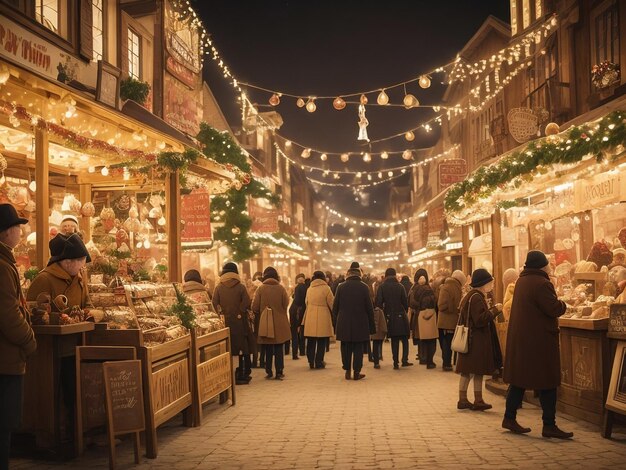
(365, 222)
(520, 167)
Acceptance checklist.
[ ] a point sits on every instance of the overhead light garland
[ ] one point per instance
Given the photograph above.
(365, 222)
(314, 237)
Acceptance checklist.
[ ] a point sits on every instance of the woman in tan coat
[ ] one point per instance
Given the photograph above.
(270, 304)
(318, 321)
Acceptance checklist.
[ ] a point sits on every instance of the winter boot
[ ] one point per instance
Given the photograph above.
(479, 403)
(463, 403)
(513, 426)
(552, 430)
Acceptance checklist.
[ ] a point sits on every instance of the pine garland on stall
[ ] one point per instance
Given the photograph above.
(231, 208)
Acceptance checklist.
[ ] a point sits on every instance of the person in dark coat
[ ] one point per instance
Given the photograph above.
(296, 313)
(532, 359)
(353, 319)
(231, 299)
(422, 298)
(406, 283)
(481, 358)
(336, 283)
(391, 297)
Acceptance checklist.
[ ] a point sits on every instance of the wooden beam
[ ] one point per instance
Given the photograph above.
(42, 197)
(172, 201)
(465, 264)
(496, 250)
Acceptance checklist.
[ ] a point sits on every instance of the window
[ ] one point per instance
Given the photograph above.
(525, 13)
(513, 17)
(607, 35)
(98, 29)
(134, 55)
(47, 13)
(538, 9)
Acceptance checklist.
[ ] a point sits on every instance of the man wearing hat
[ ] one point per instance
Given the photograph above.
(17, 340)
(353, 319)
(532, 359)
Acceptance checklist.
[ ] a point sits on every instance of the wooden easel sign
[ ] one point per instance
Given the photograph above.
(616, 398)
(124, 403)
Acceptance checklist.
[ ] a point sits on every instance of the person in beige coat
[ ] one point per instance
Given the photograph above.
(448, 314)
(318, 321)
(270, 304)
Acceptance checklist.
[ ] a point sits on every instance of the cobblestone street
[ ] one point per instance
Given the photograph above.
(392, 419)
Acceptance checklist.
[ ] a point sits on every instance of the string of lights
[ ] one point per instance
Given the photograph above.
(314, 237)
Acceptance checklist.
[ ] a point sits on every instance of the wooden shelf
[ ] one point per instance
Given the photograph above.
(63, 329)
(585, 324)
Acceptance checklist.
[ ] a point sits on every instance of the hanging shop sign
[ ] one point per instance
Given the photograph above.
(183, 107)
(20, 46)
(196, 216)
(182, 38)
(599, 191)
(181, 72)
(451, 171)
(264, 220)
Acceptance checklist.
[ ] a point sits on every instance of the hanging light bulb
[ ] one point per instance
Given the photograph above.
(384, 155)
(161, 221)
(33, 186)
(310, 105)
(410, 101)
(344, 157)
(409, 136)
(367, 157)
(146, 244)
(324, 157)
(363, 99)
(306, 153)
(104, 171)
(91, 169)
(300, 103)
(339, 103)
(382, 99)
(390, 174)
(274, 100)
(424, 81)
(380, 174)
(407, 155)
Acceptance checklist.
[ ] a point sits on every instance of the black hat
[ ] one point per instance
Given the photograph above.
(390, 272)
(419, 273)
(67, 247)
(318, 275)
(535, 259)
(480, 277)
(230, 267)
(354, 265)
(9, 217)
(270, 273)
(193, 275)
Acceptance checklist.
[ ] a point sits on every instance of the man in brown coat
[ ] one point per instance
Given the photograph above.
(17, 340)
(532, 358)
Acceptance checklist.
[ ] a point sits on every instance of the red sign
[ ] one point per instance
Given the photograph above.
(452, 171)
(435, 219)
(196, 214)
(183, 107)
(263, 220)
(181, 72)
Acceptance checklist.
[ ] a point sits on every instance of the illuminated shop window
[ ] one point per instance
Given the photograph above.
(98, 29)
(47, 13)
(134, 55)
(525, 13)
(538, 9)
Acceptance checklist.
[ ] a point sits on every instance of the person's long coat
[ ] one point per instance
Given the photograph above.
(532, 359)
(448, 304)
(391, 297)
(231, 298)
(484, 353)
(273, 295)
(421, 297)
(318, 321)
(296, 309)
(353, 312)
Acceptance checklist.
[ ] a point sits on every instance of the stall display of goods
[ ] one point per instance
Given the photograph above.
(207, 320)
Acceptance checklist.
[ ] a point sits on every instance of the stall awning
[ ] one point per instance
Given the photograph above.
(482, 244)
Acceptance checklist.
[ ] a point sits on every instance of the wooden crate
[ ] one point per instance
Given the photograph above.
(212, 370)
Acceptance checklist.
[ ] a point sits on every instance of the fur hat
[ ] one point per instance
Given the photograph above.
(419, 273)
(535, 259)
(193, 275)
(230, 267)
(459, 276)
(480, 277)
(300, 275)
(318, 275)
(270, 273)
(67, 247)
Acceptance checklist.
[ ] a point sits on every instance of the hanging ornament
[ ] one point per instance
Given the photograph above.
(300, 103)
(363, 122)
(104, 171)
(382, 99)
(238, 185)
(424, 81)
(410, 101)
(123, 203)
(552, 128)
(367, 157)
(324, 157)
(384, 155)
(306, 153)
(409, 136)
(339, 103)
(363, 99)
(407, 155)
(88, 210)
(344, 157)
(274, 100)
(236, 230)
(310, 105)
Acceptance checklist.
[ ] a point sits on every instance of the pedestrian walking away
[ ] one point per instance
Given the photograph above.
(448, 314)
(532, 359)
(317, 322)
(296, 312)
(424, 319)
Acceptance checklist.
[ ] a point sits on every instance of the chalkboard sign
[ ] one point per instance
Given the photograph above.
(92, 395)
(617, 321)
(124, 396)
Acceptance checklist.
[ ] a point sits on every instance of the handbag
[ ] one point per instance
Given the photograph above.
(460, 340)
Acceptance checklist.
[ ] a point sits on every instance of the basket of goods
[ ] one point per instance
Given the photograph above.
(523, 124)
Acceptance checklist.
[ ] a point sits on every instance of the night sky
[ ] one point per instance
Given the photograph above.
(339, 47)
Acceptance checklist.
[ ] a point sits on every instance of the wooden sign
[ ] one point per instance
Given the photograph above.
(263, 220)
(599, 191)
(616, 398)
(617, 321)
(196, 214)
(108, 84)
(214, 377)
(169, 384)
(451, 171)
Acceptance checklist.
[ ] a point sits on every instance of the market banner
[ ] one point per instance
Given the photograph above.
(451, 171)
(599, 191)
(196, 216)
(183, 107)
(263, 220)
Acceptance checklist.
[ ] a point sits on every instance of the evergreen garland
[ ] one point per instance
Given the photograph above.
(231, 208)
(517, 168)
(183, 310)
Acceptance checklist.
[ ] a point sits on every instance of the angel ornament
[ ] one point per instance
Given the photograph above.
(363, 123)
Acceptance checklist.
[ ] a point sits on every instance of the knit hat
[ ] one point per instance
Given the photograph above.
(459, 276)
(535, 259)
(480, 277)
(419, 273)
(354, 270)
(509, 277)
(193, 275)
(230, 268)
(390, 272)
(270, 273)
(319, 275)
(71, 217)
(67, 247)
(9, 217)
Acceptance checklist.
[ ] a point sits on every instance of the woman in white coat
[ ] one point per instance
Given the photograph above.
(317, 321)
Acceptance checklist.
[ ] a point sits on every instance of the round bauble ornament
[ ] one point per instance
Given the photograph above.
(552, 128)
(300, 103)
(246, 179)
(311, 106)
(75, 205)
(155, 213)
(274, 100)
(88, 210)
(306, 153)
(424, 81)
(339, 103)
(382, 99)
(162, 222)
(123, 203)
(410, 136)
(410, 101)
(236, 230)
(384, 155)
(363, 99)
(407, 155)
(133, 213)
(323, 157)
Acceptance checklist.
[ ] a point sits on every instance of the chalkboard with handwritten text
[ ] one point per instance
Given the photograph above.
(124, 396)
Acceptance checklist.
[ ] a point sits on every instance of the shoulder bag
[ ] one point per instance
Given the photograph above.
(460, 340)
